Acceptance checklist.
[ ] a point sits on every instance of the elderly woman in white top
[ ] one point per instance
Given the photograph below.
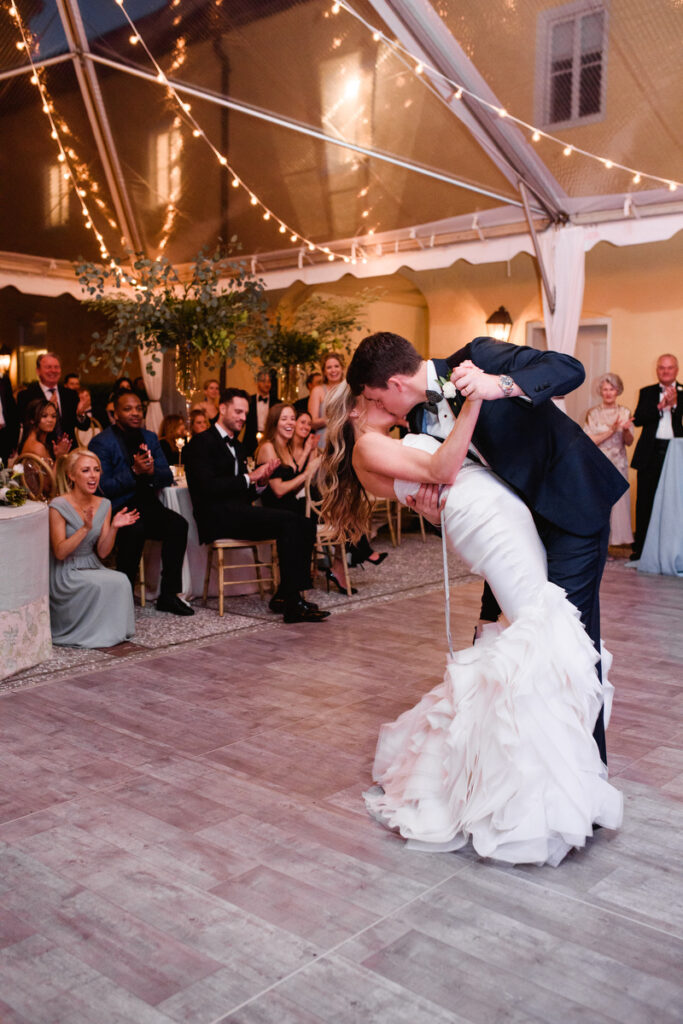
(610, 425)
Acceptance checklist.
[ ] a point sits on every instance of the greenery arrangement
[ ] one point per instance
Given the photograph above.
(156, 311)
(12, 490)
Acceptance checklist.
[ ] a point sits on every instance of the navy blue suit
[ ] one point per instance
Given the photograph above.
(126, 489)
(548, 460)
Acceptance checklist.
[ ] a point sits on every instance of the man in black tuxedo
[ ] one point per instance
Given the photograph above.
(660, 413)
(72, 411)
(562, 476)
(257, 414)
(222, 492)
(9, 420)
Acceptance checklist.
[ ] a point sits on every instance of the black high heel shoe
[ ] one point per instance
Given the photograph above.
(381, 555)
(331, 578)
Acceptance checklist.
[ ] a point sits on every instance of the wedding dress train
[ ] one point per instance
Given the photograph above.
(501, 751)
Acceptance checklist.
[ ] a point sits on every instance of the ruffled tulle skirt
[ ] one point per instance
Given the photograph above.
(501, 752)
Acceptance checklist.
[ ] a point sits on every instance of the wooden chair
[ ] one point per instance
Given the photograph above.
(219, 547)
(141, 582)
(413, 512)
(381, 508)
(39, 477)
(325, 539)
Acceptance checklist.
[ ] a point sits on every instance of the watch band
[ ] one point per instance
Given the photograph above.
(506, 384)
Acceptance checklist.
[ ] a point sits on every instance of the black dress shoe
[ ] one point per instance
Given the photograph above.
(298, 612)
(277, 605)
(173, 604)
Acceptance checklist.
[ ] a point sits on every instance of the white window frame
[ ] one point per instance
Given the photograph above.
(57, 193)
(165, 174)
(544, 33)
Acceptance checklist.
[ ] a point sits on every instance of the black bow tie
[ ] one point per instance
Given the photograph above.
(433, 398)
(230, 441)
(262, 399)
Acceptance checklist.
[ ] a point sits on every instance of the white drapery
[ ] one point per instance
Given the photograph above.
(153, 385)
(563, 251)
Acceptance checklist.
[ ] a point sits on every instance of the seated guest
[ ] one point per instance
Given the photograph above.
(222, 492)
(73, 382)
(90, 606)
(70, 411)
(259, 404)
(172, 428)
(300, 446)
(286, 484)
(39, 432)
(312, 381)
(84, 437)
(199, 422)
(209, 404)
(133, 470)
(611, 427)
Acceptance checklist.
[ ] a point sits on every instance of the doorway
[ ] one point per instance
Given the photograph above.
(592, 349)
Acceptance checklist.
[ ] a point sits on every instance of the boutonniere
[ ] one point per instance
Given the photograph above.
(448, 391)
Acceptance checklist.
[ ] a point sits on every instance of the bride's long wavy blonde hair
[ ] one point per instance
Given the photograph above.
(345, 504)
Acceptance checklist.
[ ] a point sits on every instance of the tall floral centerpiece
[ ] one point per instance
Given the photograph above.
(213, 308)
(299, 337)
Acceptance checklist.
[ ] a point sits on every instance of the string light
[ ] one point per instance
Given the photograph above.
(184, 111)
(420, 67)
(75, 171)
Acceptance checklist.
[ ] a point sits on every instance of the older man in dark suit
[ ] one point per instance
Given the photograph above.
(222, 491)
(660, 413)
(72, 411)
(257, 413)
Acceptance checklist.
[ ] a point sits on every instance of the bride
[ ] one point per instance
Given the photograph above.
(501, 752)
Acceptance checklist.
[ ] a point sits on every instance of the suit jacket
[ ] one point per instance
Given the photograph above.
(68, 401)
(647, 416)
(249, 439)
(214, 482)
(533, 446)
(9, 434)
(118, 481)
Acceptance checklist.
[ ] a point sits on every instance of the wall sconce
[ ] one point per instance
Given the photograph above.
(499, 324)
(5, 360)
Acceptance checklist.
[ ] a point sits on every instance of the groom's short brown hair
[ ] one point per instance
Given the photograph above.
(379, 357)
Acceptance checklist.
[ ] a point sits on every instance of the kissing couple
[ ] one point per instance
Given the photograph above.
(508, 751)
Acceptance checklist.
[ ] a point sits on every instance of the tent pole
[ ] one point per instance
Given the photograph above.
(549, 292)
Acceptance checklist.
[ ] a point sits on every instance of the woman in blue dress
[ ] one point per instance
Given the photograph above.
(90, 606)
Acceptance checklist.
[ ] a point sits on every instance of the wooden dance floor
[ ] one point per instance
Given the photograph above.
(183, 840)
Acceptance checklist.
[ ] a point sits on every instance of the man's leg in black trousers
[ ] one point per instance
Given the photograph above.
(170, 528)
(130, 541)
(576, 564)
(648, 479)
(291, 532)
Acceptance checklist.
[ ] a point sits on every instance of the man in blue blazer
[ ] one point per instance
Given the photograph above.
(134, 468)
(546, 458)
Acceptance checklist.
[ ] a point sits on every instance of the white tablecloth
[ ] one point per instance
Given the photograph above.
(194, 565)
(24, 587)
(663, 548)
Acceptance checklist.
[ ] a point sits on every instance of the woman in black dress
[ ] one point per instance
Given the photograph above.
(286, 485)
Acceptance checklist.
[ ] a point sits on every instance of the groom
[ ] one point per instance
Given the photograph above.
(561, 475)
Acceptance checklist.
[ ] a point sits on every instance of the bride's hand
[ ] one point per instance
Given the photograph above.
(428, 503)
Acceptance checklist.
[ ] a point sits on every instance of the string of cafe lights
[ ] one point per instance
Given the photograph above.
(73, 169)
(237, 182)
(536, 134)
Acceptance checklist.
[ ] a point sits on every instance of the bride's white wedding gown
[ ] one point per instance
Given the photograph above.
(502, 750)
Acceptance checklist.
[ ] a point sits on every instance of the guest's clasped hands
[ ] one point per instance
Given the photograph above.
(62, 446)
(143, 463)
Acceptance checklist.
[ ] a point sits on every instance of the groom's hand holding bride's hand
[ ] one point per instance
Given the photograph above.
(428, 503)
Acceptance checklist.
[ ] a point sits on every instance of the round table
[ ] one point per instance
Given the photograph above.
(24, 587)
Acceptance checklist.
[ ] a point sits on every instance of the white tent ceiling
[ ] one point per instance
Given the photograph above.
(369, 134)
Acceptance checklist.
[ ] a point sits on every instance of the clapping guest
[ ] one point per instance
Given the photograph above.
(302, 432)
(39, 430)
(90, 606)
(611, 427)
(286, 483)
(84, 437)
(209, 404)
(172, 429)
(199, 422)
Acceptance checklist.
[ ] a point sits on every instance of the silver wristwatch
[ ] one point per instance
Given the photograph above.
(506, 384)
